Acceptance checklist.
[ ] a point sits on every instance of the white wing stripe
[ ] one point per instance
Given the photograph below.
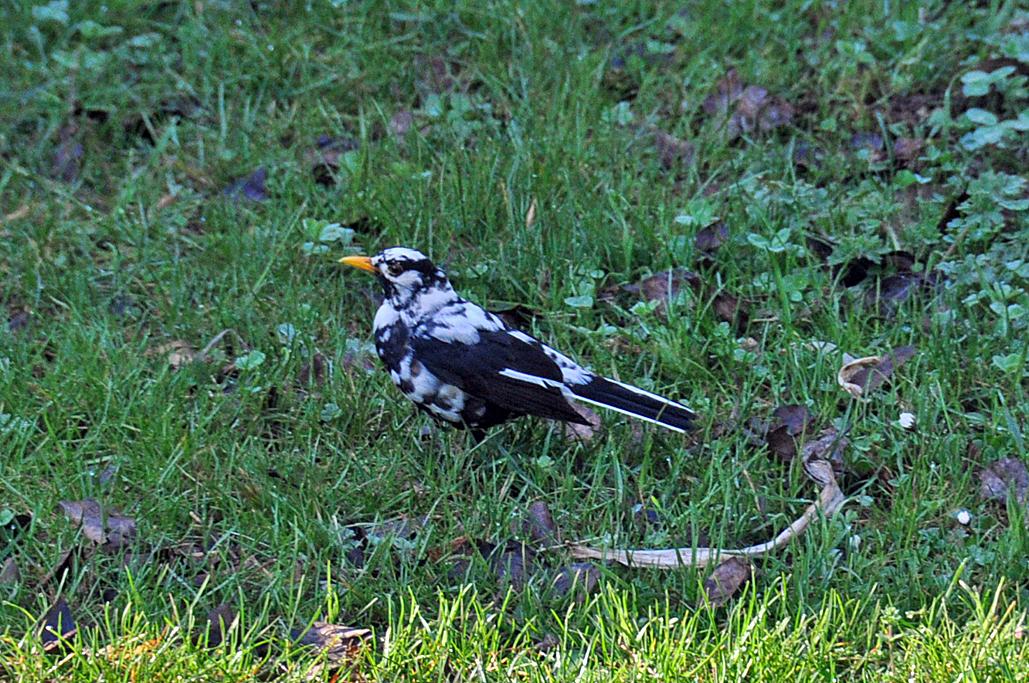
(643, 392)
(532, 379)
(635, 415)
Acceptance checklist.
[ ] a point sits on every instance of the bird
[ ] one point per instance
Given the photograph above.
(466, 367)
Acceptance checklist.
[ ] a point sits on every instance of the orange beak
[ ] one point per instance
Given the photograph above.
(362, 262)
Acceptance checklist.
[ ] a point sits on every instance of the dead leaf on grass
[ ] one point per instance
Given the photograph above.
(582, 432)
(87, 515)
(660, 287)
(400, 123)
(339, 643)
(673, 152)
(324, 159)
(727, 91)
(539, 524)
(750, 108)
(434, 75)
(62, 568)
(177, 353)
(67, 161)
(726, 579)
(518, 316)
(861, 376)
(887, 294)
(9, 573)
(582, 577)
(117, 531)
(251, 187)
(313, 371)
(710, 238)
(17, 320)
(57, 628)
(1002, 478)
(870, 144)
(827, 447)
(728, 308)
(512, 563)
(907, 150)
(220, 622)
(788, 422)
(530, 215)
(794, 417)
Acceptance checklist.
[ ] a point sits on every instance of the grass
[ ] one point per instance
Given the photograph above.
(247, 478)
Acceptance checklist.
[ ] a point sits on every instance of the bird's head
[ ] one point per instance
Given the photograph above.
(404, 273)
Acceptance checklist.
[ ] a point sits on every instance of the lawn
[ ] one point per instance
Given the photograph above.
(205, 475)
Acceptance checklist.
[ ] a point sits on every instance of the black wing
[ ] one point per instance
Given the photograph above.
(476, 369)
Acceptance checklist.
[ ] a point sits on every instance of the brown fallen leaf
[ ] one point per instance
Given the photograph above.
(728, 308)
(578, 432)
(886, 294)
(512, 563)
(726, 579)
(673, 152)
(1004, 477)
(788, 422)
(795, 417)
(87, 515)
(340, 643)
(17, 319)
(828, 447)
(530, 215)
(518, 316)
(313, 371)
(871, 144)
(907, 149)
(539, 524)
(583, 577)
(727, 91)
(117, 531)
(57, 628)
(710, 238)
(434, 75)
(251, 187)
(67, 161)
(176, 352)
(400, 123)
(9, 573)
(324, 159)
(746, 109)
(121, 531)
(861, 376)
(220, 621)
(660, 287)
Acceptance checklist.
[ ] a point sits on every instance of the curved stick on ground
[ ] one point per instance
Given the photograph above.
(830, 499)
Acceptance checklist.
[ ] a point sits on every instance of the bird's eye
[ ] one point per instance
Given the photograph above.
(395, 269)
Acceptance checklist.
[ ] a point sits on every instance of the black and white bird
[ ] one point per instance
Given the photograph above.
(463, 365)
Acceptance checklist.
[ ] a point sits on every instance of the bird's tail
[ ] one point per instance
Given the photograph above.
(635, 402)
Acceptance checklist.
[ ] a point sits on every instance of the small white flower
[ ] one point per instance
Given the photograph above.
(963, 516)
(906, 420)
